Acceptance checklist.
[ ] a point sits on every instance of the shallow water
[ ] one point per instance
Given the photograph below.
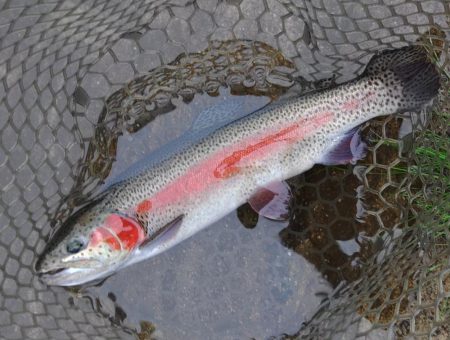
(236, 280)
(225, 282)
(244, 276)
(49, 59)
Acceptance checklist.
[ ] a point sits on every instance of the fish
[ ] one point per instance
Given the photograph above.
(195, 181)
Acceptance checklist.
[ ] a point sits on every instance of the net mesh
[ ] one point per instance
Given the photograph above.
(77, 74)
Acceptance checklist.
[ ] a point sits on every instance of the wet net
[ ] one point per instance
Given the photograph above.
(79, 75)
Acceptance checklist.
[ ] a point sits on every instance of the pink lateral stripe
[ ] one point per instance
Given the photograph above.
(232, 160)
(355, 103)
(291, 134)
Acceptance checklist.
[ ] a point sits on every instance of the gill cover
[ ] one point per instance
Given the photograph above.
(119, 232)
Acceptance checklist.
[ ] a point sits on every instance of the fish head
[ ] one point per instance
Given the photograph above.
(91, 244)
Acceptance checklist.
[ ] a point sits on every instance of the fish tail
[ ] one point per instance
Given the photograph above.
(412, 70)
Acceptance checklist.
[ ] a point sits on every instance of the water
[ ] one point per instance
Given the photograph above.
(40, 151)
(227, 282)
(235, 279)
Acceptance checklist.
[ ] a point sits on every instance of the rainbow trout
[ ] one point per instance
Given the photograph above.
(182, 190)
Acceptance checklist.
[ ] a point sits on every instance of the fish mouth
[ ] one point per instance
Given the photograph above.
(51, 275)
(52, 271)
(74, 276)
(76, 272)
(66, 276)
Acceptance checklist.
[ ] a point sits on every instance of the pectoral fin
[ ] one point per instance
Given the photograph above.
(272, 201)
(163, 237)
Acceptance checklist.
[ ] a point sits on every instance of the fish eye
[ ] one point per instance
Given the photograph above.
(75, 245)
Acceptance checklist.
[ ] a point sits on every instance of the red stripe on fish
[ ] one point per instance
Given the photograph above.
(229, 162)
(227, 167)
(353, 104)
(144, 207)
(291, 134)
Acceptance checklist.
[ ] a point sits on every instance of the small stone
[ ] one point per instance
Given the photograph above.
(355, 10)
(433, 7)
(246, 29)
(380, 12)
(120, 73)
(153, 40)
(96, 85)
(146, 62)
(294, 27)
(125, 49)
(202, 23)
(252, 8)
(226, 15)
(178, 30)
(406, 9)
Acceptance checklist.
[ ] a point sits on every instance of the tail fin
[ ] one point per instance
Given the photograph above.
(411, 67)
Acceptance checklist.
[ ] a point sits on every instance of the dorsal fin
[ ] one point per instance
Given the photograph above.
(226, 111)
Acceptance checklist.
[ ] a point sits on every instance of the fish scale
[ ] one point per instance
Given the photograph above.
(175, 196)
